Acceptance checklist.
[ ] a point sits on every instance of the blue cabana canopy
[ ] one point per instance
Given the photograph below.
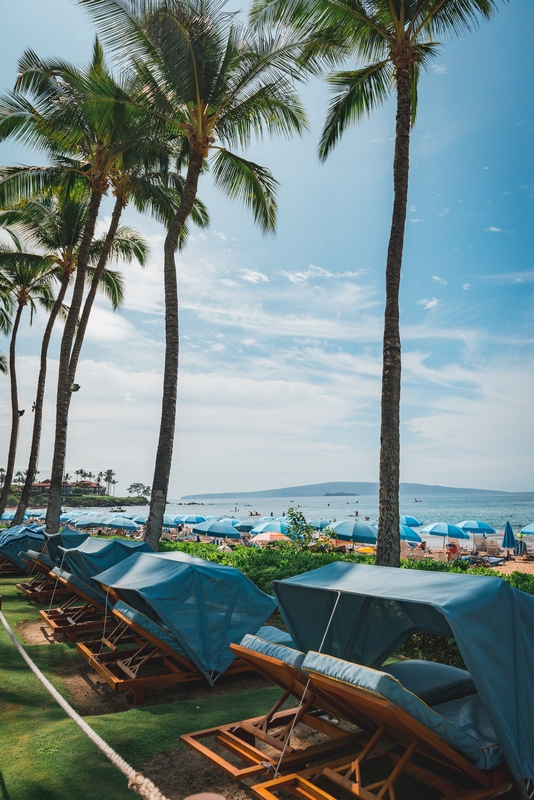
(205, 606)
(96, 555)
(379, 608)
(64, 539)
(20, 539)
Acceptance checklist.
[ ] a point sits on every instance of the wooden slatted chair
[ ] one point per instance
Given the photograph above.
(280, 665)
(449, 747)
(43, 585)
(83, 612)
(135, 643)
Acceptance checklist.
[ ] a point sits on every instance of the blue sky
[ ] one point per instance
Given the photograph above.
(281, 336)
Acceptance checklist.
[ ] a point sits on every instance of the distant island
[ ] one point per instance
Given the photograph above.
(339, 489)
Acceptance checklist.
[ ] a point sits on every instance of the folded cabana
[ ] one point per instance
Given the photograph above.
(14, 541)
(450, 747)
(368, 612)
(261, 744)
(43, 586)
(184, 611)
(96, 555)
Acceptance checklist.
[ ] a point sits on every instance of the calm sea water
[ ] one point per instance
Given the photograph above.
(494, 509)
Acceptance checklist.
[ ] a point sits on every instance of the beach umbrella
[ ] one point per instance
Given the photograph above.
(232, 520)
(529, 529)
(7, 516)
(405, 533)
(141, 520)
(193, 519)
(170, 521)
(319, 524)
(444, 529)
(212, 516)
(121, 522)
(245, 526)
(475, 526)
(91, 520)
(224, 549)
(509, 540)
(272, 526)
(215, 527)
(411, 522)
(269, 536)
(349, 531)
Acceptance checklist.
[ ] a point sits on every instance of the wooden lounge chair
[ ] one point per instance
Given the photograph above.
(83, 612)
(124, 667)
(243, 739)
(450, 747)
(10, 570)
(43, 585)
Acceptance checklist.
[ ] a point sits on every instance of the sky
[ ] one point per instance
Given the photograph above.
(281, 337)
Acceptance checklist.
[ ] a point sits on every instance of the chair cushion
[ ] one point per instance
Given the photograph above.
(432, 682)
(35, 556)
(78, 586)
(146, 624)
(286, 654)
(275, 635)
(464, 726)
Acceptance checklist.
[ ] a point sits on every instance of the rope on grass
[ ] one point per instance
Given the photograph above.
(136, 781)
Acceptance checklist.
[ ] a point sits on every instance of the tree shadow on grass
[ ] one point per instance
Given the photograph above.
(3, 788)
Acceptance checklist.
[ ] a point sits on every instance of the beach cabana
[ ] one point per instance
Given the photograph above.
(203, 605)
(18, 539)
(65, 538)
(377, 609)
(96, 555)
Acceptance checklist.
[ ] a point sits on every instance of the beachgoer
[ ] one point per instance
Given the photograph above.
(453, 552)
(421, 546)
(198, 538)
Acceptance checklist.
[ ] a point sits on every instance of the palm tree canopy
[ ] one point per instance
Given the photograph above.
(211, 81)
(379, 34)
(27, 278)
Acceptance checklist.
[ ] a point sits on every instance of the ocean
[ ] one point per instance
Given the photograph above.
(495, 509)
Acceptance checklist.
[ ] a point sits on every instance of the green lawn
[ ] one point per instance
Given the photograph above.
(44, 756)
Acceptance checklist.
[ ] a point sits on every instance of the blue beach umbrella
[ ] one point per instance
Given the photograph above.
(121, 522)
(193, 519)
(405, 533)
(444, 529)
(245, 526)
(140, 520)
(411, 522)
(211, 516)
(91, 520)
(7, 516)
(232, 521)
(350, 531)
(475, 526)
(319, 524)
(529, 529)
(272, 526)
(509, 540)
(215, 527)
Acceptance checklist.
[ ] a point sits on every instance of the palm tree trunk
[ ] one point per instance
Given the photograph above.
(162, 468)
(89, 300)
(10, 468)
(388, 546)
(53, 511)
(39, 400)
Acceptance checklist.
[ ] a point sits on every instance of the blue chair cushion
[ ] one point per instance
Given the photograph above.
(35, 556)
(432, 682)
(75, 583)
(275, 635)
(286, 654)
(462, 723)
(146, 624)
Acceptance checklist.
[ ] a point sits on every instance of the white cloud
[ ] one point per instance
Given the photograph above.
(441, 281)
(466, 286)
(440, 69)
(223, 237)
(444, 212)
(412, 209)
(303, 276)
(253, 276)
(492, 229)
(428, 304)
(417, 220)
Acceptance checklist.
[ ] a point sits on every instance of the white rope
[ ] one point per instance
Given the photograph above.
(56, 583)
(136, 781)
(277, 770)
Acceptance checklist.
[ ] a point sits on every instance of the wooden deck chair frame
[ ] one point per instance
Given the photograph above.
(42, 586)
(122, 668)
(10, 570)
(274, 728)
(413, 742)
(72, 619)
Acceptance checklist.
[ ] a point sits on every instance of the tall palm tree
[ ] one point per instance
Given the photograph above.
(27, 279)
(55, 226)
(392, 41)
(212, 83)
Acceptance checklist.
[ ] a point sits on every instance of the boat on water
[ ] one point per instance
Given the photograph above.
(117, 510)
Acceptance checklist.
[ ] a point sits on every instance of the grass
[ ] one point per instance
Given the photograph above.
(44, 756)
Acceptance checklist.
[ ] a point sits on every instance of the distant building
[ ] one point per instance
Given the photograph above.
(84, 487)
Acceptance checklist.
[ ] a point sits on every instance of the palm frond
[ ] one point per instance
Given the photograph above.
(252, 185)
(3, 364)
(111, 284)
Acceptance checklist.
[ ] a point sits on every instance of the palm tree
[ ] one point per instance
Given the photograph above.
(27, 280)
(211, 83)
(3, 364)
(54, 226)
(108, 476)
(114, 147)
(394, 40)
